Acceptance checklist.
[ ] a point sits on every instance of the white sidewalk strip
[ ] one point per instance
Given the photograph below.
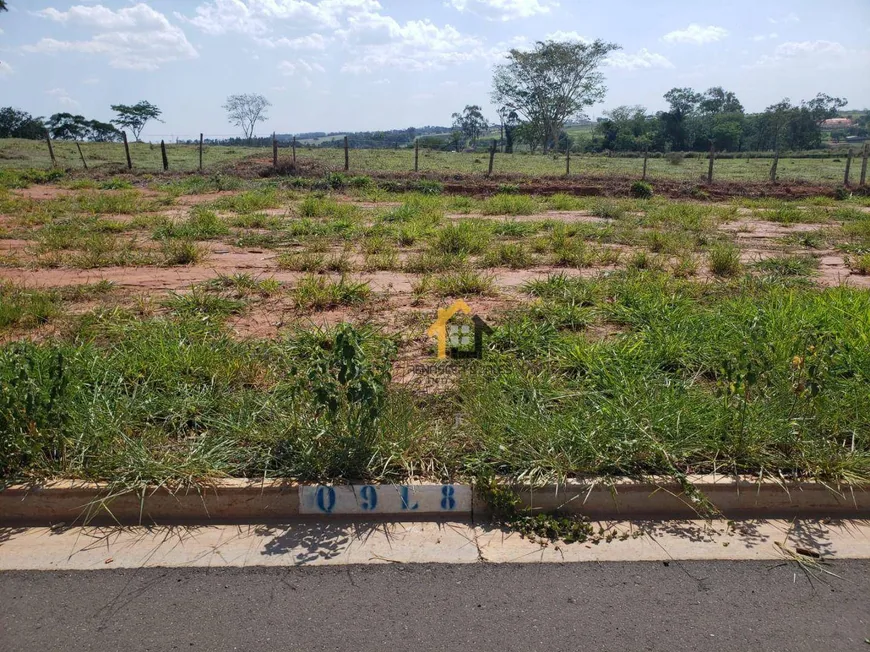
(335, 543)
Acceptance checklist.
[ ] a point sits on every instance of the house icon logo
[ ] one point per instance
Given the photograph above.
(466, 341)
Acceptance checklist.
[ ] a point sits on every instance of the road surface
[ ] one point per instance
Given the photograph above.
(675, 605)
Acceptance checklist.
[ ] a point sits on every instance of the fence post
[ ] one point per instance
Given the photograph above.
(773, 167)
(645, 154)
(492, 156)
(294, 150)
(710, 169)
(346, 155)
(50, 149)
(84, 162)
(200, 152)
(848, 168)
(864, 166)
(165, 159)
(127, 150)
(568, 158)
(274, 150)
(416, 155)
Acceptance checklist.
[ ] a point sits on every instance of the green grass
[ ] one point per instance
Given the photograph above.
(202, 224)
(316, 292)
(26, 308)
(198, 302)
(742, 375)
(724, 260)
(463, 283)
(788, 266)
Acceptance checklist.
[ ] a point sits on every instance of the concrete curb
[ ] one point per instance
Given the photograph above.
(250, 501)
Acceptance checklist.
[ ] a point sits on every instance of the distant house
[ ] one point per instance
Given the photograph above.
(837, 123)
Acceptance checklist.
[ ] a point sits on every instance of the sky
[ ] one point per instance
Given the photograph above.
(335, 65)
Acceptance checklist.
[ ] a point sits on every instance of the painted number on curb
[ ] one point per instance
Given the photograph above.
(385, 499)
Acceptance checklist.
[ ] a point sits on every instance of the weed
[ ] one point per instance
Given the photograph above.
(463, 237)
(641, 190)
(515, 256)
(462, 283)
(860, 264)
(608, 209)
(724, 259)
(322, 293)
(503, 204)
(788, 265)
(182, 252)
(199, 302)
(202, 224)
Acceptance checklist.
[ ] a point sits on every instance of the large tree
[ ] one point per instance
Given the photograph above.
(470, 123)
(246, 110)
(136, 116)
(15, 123)
(66, 126)
(552, 83)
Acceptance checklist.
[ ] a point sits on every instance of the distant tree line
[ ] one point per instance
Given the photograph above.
(695, 120)
(15, 123)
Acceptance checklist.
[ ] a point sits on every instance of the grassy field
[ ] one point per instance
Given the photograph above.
(160, 331)
(16, 153)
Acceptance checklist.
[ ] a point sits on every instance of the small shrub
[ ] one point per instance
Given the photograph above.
(508, 188)
(464, 237)
(675, 158)
(515, 256)
(842, 194)
(641, 190)
(428, 187)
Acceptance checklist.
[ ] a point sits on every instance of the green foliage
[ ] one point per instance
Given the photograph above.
(641, 190)
(725, 260)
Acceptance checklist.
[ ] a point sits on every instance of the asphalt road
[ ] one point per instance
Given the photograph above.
(614, 606)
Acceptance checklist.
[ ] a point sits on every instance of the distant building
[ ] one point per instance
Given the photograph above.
(837, 123)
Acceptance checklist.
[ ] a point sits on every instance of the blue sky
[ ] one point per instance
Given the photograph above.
(329, 65)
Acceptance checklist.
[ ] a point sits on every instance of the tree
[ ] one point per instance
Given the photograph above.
(718, 100)
(470, 123)
(66, 126)
(823, 107)
(552, 83)
(102, 132)
(3, 5)
(135, 117)
(246, 110)
(20, 124)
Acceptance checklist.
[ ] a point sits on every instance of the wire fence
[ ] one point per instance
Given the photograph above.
(198, 154)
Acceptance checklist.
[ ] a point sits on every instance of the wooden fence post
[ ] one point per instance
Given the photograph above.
(568, 158)
(165, 158)
(773, 167)
(416, 155)
(645, 154)
(346, 155)
(50, 149)
(294, 150)
(864, 166)
(848, 168)
(274, 150)
(712, 156)
(492, 156)
(84, 162)
(200, 152)
(127, 150)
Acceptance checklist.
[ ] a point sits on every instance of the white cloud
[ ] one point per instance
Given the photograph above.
(291, 68)
(313, 41)
(90, 81)
(376, 41)
(811, 55)
(504, 10)
(791, 17)
(559, 35)
(62, 97)
(256, 17)
(5, 69)
(383, 82)
(696, 34)
(762, 37)
(642, 59)
(137, 37)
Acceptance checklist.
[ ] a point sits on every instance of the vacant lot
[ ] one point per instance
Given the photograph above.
(16, 153)
(180, 329)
